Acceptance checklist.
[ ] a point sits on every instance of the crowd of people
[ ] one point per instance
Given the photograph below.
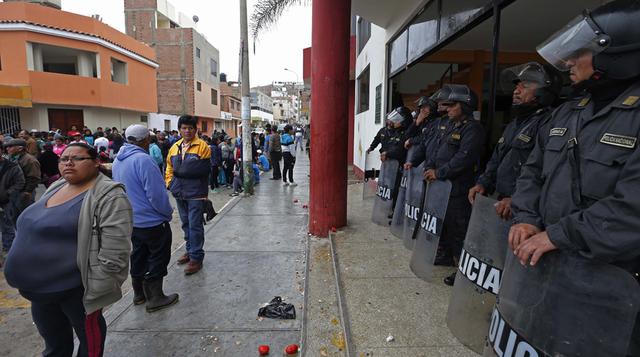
(564, 173)
(106, 214)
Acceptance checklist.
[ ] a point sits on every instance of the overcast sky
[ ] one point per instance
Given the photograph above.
(277, 48)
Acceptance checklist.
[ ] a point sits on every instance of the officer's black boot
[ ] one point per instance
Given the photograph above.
(451, 279)
(138, 291)
(443, 257)
(156, 299)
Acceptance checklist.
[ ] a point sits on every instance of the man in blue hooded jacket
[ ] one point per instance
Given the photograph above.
(152, 212)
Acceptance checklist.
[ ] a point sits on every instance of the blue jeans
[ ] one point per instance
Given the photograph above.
(191, 212)
(8, 231)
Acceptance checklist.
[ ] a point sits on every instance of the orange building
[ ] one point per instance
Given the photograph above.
(59, 69)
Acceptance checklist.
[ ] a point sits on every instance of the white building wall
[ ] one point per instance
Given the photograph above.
(157, 121)
(38, 117)
(365, 128)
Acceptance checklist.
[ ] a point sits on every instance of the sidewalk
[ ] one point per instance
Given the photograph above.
(381, 297)
(255, 249)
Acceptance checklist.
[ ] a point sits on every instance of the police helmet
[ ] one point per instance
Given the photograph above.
(462, 94)
(400, 115)
(610, 32)
(548, 80)
(426, 101)
(441, 94)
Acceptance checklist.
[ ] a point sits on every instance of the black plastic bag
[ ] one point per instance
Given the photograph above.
(277, 309)
(209, 212)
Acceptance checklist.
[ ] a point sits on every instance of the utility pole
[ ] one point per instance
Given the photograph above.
(247, 160)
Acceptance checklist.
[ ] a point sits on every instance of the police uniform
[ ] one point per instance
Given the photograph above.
(428, 140)
(511, 152)
(581, 183)
(455, 158)
(381, 138)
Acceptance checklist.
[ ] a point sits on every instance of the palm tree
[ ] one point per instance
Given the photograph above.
(267, 12)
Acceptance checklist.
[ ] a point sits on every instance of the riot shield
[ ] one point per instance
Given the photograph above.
(370, 176)
(480, 268)
(383, 203)
(414, 200)
(566, 305)
(429, 228)
(397, 222)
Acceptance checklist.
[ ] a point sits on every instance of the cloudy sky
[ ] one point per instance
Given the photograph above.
(277, 48)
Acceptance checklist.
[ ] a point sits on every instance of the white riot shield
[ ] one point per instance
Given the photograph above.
(566, 305)
(429, 228)
(479, 272)
(414, 200)
(383, 204)
(397, 222)
(370, 177)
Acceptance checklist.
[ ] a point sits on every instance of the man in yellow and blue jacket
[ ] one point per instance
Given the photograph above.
(187, 174)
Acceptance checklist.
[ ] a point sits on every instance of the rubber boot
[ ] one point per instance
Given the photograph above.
(138, 291)
(156, 299)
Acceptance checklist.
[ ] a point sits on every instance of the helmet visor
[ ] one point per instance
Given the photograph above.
(395, 117)
(578, 37)
(530, 74)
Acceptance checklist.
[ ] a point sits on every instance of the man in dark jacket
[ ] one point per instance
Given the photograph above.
(11, 186)
(455, 160)
(216, 162)
(30, 167)
(536, 88)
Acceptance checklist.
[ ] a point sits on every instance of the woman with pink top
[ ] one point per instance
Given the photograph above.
(59, 145)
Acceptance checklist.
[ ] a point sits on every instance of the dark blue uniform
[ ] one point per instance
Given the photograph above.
(428, 140)
(455, 159)
(581, 183)
(512, 151)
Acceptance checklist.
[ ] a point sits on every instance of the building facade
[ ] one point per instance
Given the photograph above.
(59, 69)
(261, 108)
(188, 80)
(231, 110)
(407, 49)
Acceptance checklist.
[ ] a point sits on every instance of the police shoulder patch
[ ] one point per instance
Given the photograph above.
(557, 131)
(524, 138)
(455, 136)
(623, 141)
(631, 100)
(584, 102)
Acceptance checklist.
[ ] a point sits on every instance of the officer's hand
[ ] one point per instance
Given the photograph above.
(503, 208)
(477, 189)
(383, 156)
(368, 150)
(430, 175)
(520, 232)
(408, 166)
(531, 250)
(407, 144)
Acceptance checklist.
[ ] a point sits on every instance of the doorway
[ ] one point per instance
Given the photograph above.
(64, 119)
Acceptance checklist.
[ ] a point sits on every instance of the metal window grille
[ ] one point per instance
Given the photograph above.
(9, 120)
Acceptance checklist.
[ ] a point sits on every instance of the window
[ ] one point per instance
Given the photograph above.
(197, 52)
(199, 86)
(378, 103)
(204, 126)
(364, 33)
(214, 96)
(118, 71)
(61, 60)
(167, 125)
(144, 119)
(363, 91)
(214, 68)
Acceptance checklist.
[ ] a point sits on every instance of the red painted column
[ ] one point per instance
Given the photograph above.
(329, 115)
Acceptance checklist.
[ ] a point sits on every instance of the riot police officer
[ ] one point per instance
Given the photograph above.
(427, 111)
(578, 199)
(536, 88)
(433, 128)
(455, 159)
(381, 138)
